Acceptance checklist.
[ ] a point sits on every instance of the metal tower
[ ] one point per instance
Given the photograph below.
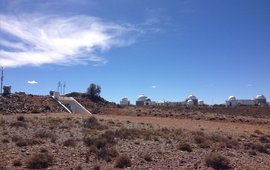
(2, 79)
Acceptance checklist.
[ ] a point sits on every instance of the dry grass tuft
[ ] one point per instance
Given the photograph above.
(43, 133)
(17, 163)
(21, 118)
(264, 139)
(107, 154)
(18, 124)
(123, 161)
(217, 161)
(183, 146)
(93, 123)
(39, 161)
(70, 142)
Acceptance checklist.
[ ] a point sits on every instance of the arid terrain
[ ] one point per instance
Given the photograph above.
(132, 137)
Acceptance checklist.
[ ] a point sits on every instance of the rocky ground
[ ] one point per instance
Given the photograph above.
(35, 133)
(69, 141)
(22, 103)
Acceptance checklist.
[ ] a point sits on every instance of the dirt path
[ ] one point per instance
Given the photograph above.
(194, 125)
(189, 124)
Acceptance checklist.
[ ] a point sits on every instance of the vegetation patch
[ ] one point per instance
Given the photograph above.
(40, 160)
(123, 161)
(185, 147)
(217, 161)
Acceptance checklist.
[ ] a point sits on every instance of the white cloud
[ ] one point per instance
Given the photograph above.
(32, 40)
(154, 87)
(32, 82)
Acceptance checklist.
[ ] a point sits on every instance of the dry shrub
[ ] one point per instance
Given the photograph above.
(123, 161)
(88, 141)
(39, 161)
(93, 123)
(43, 133)
(124, 133)
(256, 146)
(70, 142)
(21, 118)
(258, 132)
(17, 163)
(232, 144)
(107, 154)
(199, 139)
(97, 167)
(264, 139)
(260, 148)
(25, 142)
(93, 149)
(217, 161)
(147, 157)
(18, 124)
(5, 140)
(218, 138)
(35, 110)
(100, 143)
(109, 136)
(185, 147)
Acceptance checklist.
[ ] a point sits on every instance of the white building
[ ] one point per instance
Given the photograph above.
(143, 100)
(201, 102)
(192, 100)
(258, 100)
(124, 101)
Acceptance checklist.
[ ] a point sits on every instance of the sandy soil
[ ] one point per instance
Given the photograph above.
(190, 124)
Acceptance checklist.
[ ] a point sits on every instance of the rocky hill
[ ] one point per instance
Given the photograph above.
(22, 103)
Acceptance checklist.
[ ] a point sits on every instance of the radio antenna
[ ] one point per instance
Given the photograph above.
(2, 79)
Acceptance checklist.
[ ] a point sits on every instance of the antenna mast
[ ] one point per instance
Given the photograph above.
(2, 79)
(64, 88)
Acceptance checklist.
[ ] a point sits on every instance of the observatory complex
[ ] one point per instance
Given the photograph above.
(258, 100)
(143, 100)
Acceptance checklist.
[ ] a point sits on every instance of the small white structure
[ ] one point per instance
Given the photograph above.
(124, 101)
(201, 102)
(190, 103)
(193, 99)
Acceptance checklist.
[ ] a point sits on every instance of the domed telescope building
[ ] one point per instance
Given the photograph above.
(124, 101)
(192, 100)
(143, 100)
(258, 100)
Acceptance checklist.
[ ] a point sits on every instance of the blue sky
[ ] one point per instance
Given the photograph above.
(164, 49)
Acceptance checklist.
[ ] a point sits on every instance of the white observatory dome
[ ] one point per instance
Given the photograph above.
(142, 98)
(125, 99)
(232, 98)
(201, 102)
(191, 97)
(260, 96)
(190, 102)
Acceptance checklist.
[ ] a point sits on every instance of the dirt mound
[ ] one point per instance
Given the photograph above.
(22, 103)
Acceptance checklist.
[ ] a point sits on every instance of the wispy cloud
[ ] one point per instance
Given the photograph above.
(32, 82)
(249, 85)
(38, 40)
(153, 87)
